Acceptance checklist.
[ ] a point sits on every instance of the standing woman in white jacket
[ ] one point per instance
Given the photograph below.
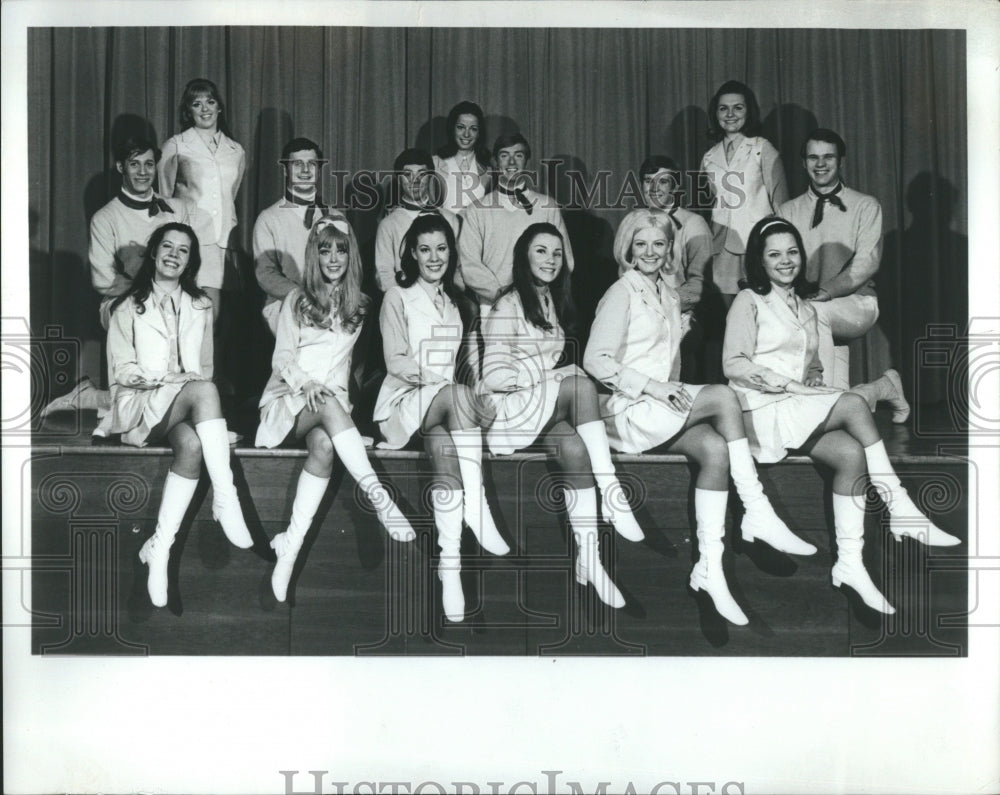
(205, 166)
(538, 393)
(306, 396)
(425, 323)
(634, 348)
(160, 359)
(770, 358)
(747, 179)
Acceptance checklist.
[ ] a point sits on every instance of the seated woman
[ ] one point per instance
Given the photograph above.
(160, 359)
(425, 322)
(635, 349)
(306, 396)
(537, 394)
(769, 356)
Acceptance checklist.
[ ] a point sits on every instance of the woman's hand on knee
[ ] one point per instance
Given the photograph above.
(315, 394)
(672, 394)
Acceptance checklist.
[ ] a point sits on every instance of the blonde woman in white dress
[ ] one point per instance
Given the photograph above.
(425, 323)
(160, 359)
(539, 395)
(634, 348)
(770, 358)
(306, 396)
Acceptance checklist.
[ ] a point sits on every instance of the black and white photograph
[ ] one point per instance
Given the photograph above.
(501, 397)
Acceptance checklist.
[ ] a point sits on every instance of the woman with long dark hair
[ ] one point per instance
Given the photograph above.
(463, 162)
(307, 396)
(425, 322)
(160, 359)
(769, 356)
(539, 393)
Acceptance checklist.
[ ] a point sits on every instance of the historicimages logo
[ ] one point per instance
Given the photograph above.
(547, 783)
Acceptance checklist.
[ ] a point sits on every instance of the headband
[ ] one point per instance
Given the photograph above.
(772, 223)
(337, 223)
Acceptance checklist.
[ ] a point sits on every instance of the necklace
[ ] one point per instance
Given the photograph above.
(465, 162)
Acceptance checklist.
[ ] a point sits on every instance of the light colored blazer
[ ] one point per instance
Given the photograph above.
(138, 349)
(766, 346)
(747, 189)
(421, 345)
(636, 336)
(516, 353)
(189, 170)
(305, 353)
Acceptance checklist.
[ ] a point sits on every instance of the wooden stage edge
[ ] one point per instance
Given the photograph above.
(355, 592)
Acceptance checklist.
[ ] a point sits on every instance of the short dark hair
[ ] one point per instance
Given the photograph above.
(135, 145)
(300, 145)
(654, 163)
(511, 139)
(756, 279)
(826, 136)
(751, 126)
(409, 157)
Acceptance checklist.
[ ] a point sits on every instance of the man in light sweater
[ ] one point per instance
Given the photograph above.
(411, 196)
(842, 232)
(492, 225)
(282, 230)
(119, 232)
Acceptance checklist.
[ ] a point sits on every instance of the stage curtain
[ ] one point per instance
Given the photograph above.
(598, 100)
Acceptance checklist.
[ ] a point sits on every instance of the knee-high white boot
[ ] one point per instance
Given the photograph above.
(448, 521)
(760, 520)
(309, 493)
(849, 523)
(351, 450)
(614, 504)
(888, 388)
(707, 576)
(581, 505)
(225, 502)
(155, 553)
(469, 448)
(905, 519)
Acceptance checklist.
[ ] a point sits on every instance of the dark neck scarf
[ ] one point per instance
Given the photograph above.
(518, 195)
(826, 198)
(312, 205)
(154, 206)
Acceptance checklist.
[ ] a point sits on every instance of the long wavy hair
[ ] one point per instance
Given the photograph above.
(450, 148)
(757, 279)
(142, 282)
(632, 223)
(560, 289)
(320, 304)
(409, 270)
(194, 88)
(751, 126)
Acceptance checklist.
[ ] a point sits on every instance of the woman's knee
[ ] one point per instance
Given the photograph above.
(320, 447)
(853, 404)
(187, 449)
(581, 386)
(711, 450)
(572, 453)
